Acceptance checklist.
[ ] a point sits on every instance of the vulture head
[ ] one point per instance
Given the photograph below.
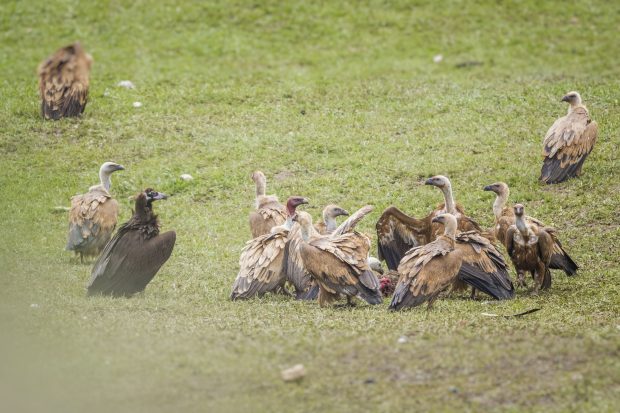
(293, 202)
(439, 181)
(375, 265)
(110, 167)
(303, 218)
(573, 98)
(152, 195)
(519, 210)
(448, 221)
(333, 211)
(499, 188)
(258, 177)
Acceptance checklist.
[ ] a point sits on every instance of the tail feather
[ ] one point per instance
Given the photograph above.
(563, 262)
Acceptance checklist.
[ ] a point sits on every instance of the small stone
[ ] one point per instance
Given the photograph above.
(137, 104)
(295, 373)
(453, 389)
(187, 177)
(127, 84)
(370, 380)
(34, 305)
(402, 340)
(438, 58)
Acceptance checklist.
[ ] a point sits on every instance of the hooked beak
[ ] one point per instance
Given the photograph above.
(342, 212)
(159, 196)
(565, 99)
(120, 168)
(488, 188)
(305, 201)
(429, 181)
(437, 219)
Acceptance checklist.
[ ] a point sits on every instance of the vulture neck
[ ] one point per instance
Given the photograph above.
(308, 231)
(330, 223)
(522, 226)
(500, 203)
(260, 188)
(450, 229)
(448, 199)
(288, 224)
(104, 177)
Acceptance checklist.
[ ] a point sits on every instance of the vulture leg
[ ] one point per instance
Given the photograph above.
(473, 294)
(521, 279)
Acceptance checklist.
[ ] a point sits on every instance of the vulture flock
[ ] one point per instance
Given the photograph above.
(426, 257)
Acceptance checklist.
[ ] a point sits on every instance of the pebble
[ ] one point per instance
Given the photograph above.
(137, 104)
(187, 177)
(402, 340)
(127, 84)
(295, 373)
(438, 58)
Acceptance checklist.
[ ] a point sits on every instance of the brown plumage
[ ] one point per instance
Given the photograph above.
(263, 262)
(93, 216)
(398, 232)
(568, 142)
(530, 248)
(339, 262)
(505, 217)
(427, 270)
(296, 274)
(63, 82)
(135, 254)
(269, 211)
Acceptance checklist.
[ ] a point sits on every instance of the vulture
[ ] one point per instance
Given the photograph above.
(263, 261)
(427, 270)
(93, 215)
(530, 248)
(568, 142)
(505, 217)
(296, 274)
(339, 262)
(63, 82)
(269, 211)
(136, 252)
(398, 232)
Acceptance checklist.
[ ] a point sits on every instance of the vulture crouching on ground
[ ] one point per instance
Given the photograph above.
(296, 274)
(398, 232)
(568, 142)
(530, 248)
(505, 217)
(339, 262)
(263, 261)
(93, 215)
(429, 269)
(269, 212)
(63, 82)
(134, 255)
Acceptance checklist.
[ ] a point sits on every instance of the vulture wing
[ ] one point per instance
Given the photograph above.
(560, 260)
(397, 233)
(92, 220)
(352, 221)
(567, 144)
(483, 266)
(262, 266)
(425, 271)
(296, 272)
(265, 218)
(129, 262)
(63, 83)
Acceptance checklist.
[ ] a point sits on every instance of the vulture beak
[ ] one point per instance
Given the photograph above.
(437, 219)
(565, 99)
(342, 212)
(429, 181)
(120, 168)
(305, 201)
(488, 188)
(158, 195)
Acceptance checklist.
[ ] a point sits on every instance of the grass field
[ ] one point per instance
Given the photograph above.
(339, 103)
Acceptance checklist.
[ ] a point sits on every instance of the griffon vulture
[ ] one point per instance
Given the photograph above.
(398, 232)
(63, 82)
(269, 211)
(339, 262)
(505, 217)
(136, 252)
(263, 262)
(530, 248)
(93, 215)
(429, 269)
(568, 142)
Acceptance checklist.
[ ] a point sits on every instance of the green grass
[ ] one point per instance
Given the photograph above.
(223, 87)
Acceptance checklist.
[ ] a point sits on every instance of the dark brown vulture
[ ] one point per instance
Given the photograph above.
(568, 142)
(339, 262)
(398, 232)
(93, 216)
(296, 274)
(63, 82)
(136, 252)
(269, 211)
(530, 248)
(505, 217)
(429, 269)
(263, 262)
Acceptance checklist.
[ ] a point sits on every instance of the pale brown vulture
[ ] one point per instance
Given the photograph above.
(568, 142)
(269, 211)
(296, 274)
(63, 82)
(530, 248)
(398, 232)
(136, 252)
(93, 215)
(427, 270)
(339, 262)
(505, 217)
(263, 262)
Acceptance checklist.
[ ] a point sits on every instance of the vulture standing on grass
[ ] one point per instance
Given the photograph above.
(429, 269)
(530, 248)
(63, 82)
(269, 211)
(339, 262)
(263, 261)
(568, 142)
(134, 255)
(296, 274)
(93, 215)
(505, 217)
(398, 232)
